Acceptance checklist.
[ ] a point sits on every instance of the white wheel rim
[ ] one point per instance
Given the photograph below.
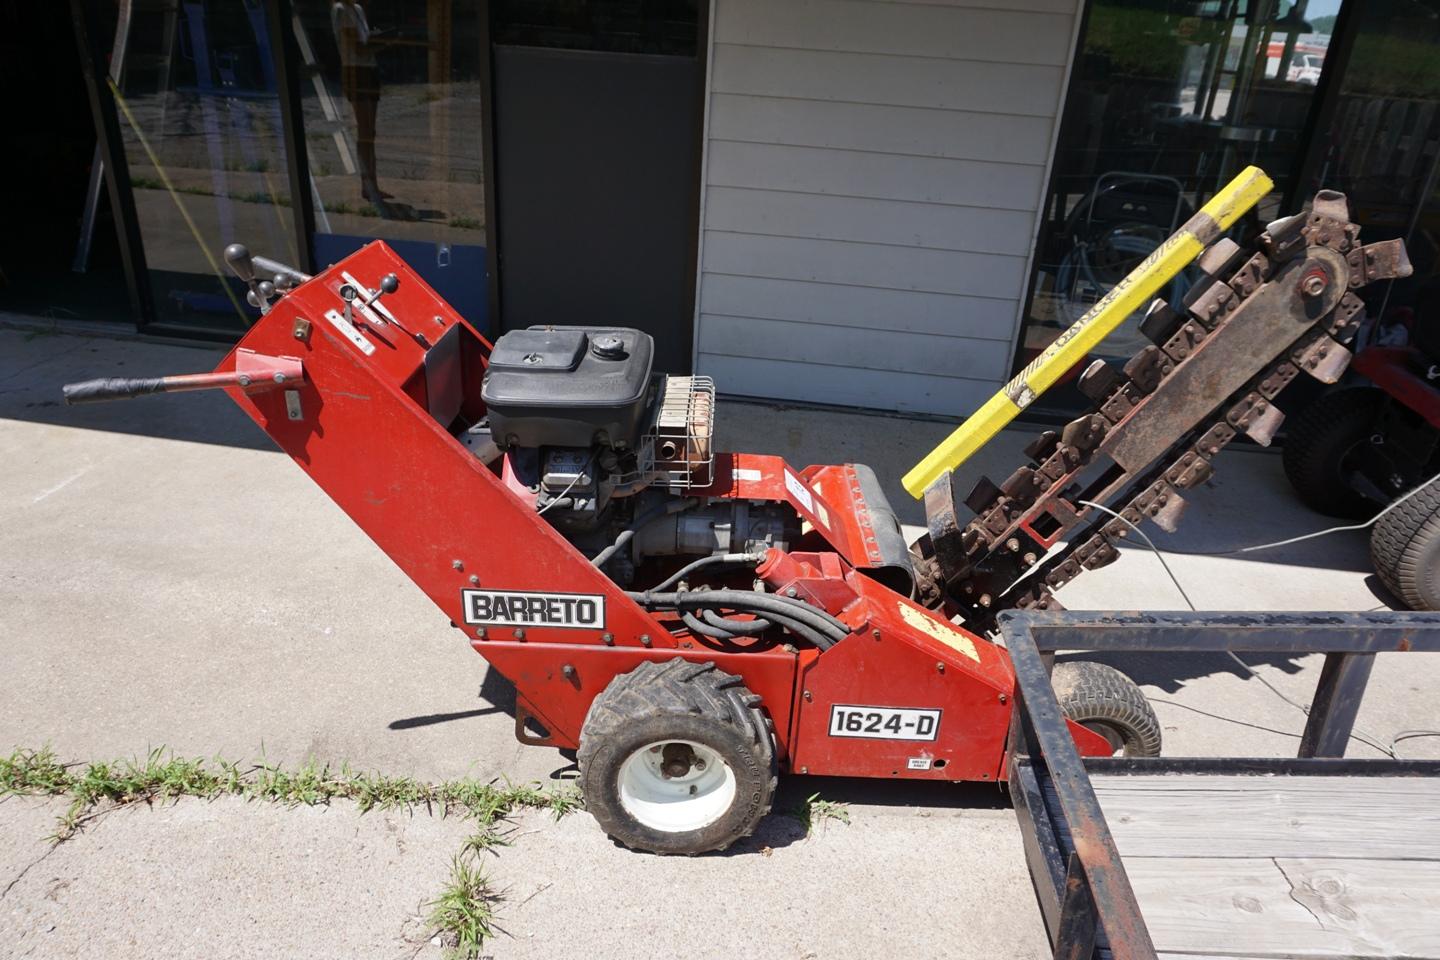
(676, 803)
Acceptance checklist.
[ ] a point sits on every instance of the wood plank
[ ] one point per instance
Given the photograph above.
(816, 383)
(1024, 89)
(1264, 907)
(873, 308)
(905, 353)
(865, 264)
(951, 33)
(916, 131)
(1246, 816)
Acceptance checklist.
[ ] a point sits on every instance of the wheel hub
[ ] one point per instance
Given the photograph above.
(676, 785)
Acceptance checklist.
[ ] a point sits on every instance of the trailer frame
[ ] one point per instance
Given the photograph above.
(1088, 903)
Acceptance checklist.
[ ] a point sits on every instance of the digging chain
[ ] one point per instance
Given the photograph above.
(1309, 265)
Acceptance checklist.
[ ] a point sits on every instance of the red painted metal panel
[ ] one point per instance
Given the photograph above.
(438, 512)
(560, 698)
(365, 434)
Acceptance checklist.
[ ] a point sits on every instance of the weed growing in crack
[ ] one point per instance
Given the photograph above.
(462, 914)
(813, 812)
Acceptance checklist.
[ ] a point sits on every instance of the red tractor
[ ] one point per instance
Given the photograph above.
(1353, 451)
(694, 621)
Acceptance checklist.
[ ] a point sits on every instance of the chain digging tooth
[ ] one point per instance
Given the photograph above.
(1167, 514)
(1218, 257)
(982, 496)
(1147, 368)
(1321, 357)
(1184, 341)
(1098, 381)
(1040, 449)
(1160, 323)
(1331, 204)
(1347, 316)
(1382, 260)
(1210, 302)
(1258, 417)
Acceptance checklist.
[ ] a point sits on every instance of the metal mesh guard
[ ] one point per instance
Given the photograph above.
(678, 442)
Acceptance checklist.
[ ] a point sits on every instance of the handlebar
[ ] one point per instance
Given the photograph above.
(112, 388)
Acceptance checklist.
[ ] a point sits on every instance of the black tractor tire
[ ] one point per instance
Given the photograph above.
(1405, 548)
(683, 702)
(1318, 443)
(1102, 699)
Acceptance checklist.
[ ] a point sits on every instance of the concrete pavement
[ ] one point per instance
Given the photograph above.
(168, 579)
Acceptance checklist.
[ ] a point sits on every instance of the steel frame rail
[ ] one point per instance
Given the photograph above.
(1086, 898)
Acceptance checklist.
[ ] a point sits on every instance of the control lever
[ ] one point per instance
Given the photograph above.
(253, 373)
(262, 291)
(238, 256)
(388, 285)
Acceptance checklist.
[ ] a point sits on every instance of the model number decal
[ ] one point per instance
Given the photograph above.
(509, 608)
(884, 723)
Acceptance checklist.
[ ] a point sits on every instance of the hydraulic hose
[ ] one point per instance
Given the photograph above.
(710, 629)
(744, 628)
(720, 558)
(782, 608)
(649, 516)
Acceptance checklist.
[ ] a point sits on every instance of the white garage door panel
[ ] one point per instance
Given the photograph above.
(1023, 89)
(844, 386)
(936, 226)
(952, 33)
(975, 183)
(842, 346)
(880, 129)
(865, 265)
(871, 309)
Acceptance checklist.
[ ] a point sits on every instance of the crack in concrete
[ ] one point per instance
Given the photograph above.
(21, 875)
(41, 362)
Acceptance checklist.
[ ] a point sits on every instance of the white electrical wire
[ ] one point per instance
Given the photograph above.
(1358, 734)
(1309, 536)
(566, 492)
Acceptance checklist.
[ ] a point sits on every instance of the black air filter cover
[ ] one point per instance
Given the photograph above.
(568, 386)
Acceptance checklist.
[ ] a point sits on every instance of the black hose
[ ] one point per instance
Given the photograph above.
(646, 518)
(746, 628)
(802, 630)
(689, 568)
(705, 629)
(748, 602)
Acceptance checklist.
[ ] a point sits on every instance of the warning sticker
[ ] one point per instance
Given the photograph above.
(509, 608)
(799, 491)
(938, 630)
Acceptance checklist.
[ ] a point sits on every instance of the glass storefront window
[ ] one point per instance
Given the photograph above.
(393, 117)
(200, 121)
(1382, 148)
(1168, 101)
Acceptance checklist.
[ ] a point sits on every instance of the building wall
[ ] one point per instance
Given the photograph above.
(872, 175)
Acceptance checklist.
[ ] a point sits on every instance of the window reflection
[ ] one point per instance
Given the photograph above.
(391, 95)
(200, 123)
(1169, 100)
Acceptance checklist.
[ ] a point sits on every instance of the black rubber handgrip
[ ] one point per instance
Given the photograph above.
(112, 388)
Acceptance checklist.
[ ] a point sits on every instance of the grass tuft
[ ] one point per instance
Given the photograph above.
(463, 912)
(813, 812)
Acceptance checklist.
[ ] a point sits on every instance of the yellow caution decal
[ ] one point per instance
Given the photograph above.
(1127, 296)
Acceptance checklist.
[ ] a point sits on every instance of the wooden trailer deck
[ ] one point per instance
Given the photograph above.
(1228, 857)
(1243, 866)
